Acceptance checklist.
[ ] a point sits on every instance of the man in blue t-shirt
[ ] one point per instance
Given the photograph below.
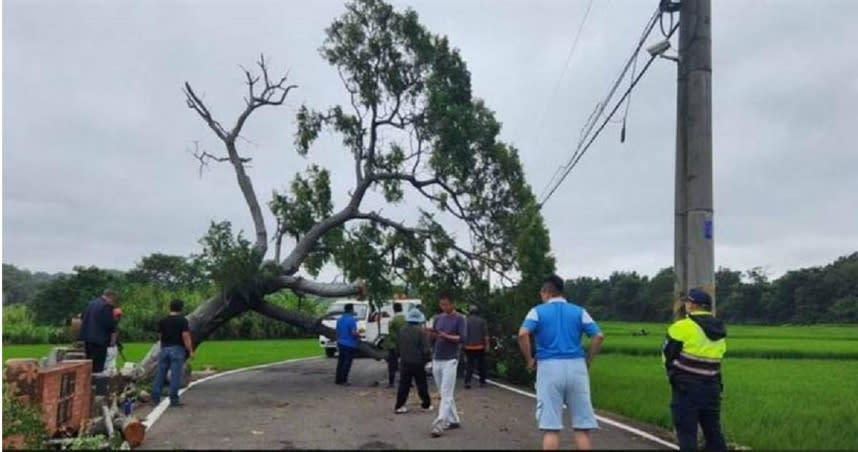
(561, 363)
(347, 343)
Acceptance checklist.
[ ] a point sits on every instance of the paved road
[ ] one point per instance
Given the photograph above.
(297, 406)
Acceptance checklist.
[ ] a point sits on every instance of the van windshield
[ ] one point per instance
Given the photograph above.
(360, 310)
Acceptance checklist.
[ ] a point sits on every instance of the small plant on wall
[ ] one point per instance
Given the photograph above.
(22, 423)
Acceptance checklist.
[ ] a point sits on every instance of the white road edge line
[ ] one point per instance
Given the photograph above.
(608, 421)
(162, 407)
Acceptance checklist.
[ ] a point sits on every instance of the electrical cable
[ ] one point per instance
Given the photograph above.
(569, 55)
(600, 107)
(583, 150)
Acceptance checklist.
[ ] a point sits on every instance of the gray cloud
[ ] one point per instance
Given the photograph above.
(95, 130)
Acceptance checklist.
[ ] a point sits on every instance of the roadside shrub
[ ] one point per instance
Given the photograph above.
(23, 419)
(19, 327)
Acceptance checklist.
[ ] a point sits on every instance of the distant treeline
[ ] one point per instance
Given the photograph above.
(811, 295)
(37, 307)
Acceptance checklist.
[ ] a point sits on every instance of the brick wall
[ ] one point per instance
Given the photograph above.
(65, 395)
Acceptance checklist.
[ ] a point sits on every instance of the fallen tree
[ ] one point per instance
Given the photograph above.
(416, 135)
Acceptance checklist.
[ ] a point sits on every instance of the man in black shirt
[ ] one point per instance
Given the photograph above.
(175, 335)
(98, 328)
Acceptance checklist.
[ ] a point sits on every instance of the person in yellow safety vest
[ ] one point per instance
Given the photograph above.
(692, 353)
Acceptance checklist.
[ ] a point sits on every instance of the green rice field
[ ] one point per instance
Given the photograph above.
(784, 387)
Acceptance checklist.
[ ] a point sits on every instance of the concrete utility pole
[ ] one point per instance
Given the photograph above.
(694, 258)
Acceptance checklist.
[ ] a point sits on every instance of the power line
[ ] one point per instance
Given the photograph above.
(572, 48)
(582, 150)
(600, 107)
(563, 74)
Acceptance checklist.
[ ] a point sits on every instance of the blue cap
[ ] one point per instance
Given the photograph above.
(414, 316)
(699, 296)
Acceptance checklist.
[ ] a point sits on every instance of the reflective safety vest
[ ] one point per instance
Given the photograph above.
(695, 345)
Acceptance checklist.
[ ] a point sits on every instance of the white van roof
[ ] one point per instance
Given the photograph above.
(350, 301)
(406, 300)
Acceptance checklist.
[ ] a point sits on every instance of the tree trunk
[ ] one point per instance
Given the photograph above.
(133, 431)
(207, 318)
(219, 309)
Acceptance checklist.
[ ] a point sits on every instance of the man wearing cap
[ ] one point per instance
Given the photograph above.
(692, 353)
(413, 350)
(98, 328)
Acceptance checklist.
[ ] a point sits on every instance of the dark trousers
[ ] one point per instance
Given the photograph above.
(98, 354)
(697, 401)
(392, 365)
(344, 363)
(475, 358)
(418, 373)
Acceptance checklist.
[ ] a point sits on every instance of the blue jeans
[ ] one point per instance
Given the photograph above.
(172, 358)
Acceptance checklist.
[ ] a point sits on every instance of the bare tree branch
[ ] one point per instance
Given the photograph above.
(308, 286)
(271, 94)
(205, 157)
(376, 218)
(196, 104)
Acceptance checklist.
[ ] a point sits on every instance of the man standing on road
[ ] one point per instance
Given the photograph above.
(561, 364)
(413, 350)
(448, 331)
(396, 323)
(347, 343)
(692, 355)
(476, 346)
(98, 328)
(176, 346)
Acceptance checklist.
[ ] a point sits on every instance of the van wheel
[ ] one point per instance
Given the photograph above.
(330, 352)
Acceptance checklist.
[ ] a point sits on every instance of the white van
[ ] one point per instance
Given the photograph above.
(372, 325)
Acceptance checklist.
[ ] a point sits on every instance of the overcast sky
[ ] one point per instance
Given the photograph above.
(96, 132)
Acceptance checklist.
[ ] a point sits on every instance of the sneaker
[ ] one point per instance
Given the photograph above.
(176, 404)
(401, 410)
(437, 431)
(428, 408)
(453, 426)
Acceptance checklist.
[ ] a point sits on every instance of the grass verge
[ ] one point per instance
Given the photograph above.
(219, 355)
